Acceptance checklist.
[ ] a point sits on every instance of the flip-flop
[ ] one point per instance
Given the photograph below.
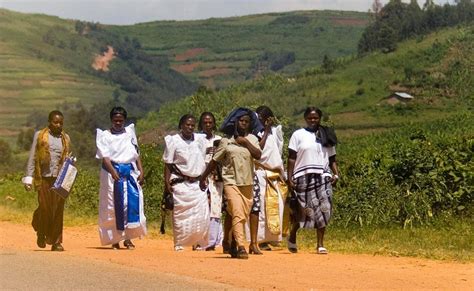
(322, 251)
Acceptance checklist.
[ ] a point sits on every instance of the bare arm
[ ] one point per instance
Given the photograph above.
(266, 133)
(334, 169)
(291, 166)
(166, 177)
(203, 179)
(111, 169)
(141, 177)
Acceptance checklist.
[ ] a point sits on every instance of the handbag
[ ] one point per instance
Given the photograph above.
(167, 202)
(66, 178)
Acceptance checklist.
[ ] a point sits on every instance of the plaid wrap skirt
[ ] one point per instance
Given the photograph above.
(314, 201)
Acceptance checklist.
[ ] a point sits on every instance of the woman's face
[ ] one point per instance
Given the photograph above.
(56, 124)
(118, 122)
(208, 124)
(244, 123)
(313, 119)
(187, 128)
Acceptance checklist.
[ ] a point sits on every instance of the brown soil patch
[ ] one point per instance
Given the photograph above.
(277, 269)
(189, 54)
(186, 68)
(349, 21)
(8, 132)
(101, 62)
(214, 72)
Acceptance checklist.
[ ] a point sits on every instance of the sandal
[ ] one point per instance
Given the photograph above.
(322, 251)
(178, 248)
(128, 244)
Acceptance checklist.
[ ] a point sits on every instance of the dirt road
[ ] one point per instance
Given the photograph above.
(275, 269)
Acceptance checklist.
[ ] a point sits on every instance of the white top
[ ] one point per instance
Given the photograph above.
(273, 149)
(188, 155)
(120, 148)
(311, 156)
(210, 149)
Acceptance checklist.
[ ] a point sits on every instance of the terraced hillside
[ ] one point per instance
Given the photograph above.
(436, 70)
(35, 75)
(218, 52)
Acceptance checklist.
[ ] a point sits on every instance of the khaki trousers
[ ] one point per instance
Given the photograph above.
(239, 203)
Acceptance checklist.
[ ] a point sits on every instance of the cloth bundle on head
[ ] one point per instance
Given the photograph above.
(228, 127)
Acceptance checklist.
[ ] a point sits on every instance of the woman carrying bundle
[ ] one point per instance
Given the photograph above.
(236, 153)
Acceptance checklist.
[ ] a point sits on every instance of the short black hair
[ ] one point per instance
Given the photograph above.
(118, 110)
(201, 119)
(311, 109)
(264, 111)
(53, 114)
(184, 118)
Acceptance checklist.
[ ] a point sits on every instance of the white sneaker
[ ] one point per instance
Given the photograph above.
(178, 248)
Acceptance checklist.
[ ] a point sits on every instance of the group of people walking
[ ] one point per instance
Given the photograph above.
(239, 176)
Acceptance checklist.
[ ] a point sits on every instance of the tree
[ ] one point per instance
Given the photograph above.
(377, 7)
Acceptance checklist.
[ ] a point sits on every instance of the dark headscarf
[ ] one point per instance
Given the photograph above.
(229, 126)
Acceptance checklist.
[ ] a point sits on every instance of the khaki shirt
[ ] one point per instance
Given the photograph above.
(236, 161)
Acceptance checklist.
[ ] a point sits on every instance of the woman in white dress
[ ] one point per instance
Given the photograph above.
(184, 158)
(270, 175)
(121, 215)
(215, 186)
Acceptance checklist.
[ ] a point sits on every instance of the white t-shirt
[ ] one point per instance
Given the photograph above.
(312, 156)
(188, 155)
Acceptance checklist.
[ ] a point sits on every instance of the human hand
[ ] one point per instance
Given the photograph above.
(241, 140)
(334, 179)
(115, 175)
(141, 179)
(203, 184)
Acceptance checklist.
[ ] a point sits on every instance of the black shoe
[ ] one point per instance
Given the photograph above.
(233, 249)
(264, 247)
(242, 253)
(128, 244)
(116, 246)
(225, 248)
(40, 240)
(57, 247)
(211, 248)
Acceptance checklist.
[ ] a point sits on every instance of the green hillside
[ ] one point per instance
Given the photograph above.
(218, 52)
(35, 75)
(436, 70)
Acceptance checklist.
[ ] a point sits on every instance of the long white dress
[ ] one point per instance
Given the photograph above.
(271, 159)
(121, 149)
(191, 208)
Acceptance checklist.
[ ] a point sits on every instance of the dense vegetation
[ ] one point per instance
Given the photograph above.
(398, 21)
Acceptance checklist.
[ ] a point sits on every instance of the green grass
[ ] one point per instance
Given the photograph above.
(451, 240)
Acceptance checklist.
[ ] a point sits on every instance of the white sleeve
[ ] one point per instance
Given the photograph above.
(30, 166)
(293, 144)
(101, 143)
(278, 132)
(168, 154)
(331, 151)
